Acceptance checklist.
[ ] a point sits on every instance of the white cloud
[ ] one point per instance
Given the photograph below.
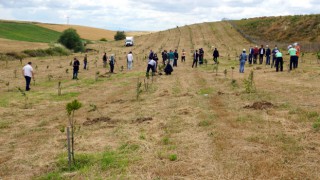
(148, 14)
(6, 13)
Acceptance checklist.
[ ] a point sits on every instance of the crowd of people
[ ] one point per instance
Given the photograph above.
(275, 53)
(273, 57)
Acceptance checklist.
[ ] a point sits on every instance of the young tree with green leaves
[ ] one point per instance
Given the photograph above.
(71, 108)
(71, 40)
(120, 35)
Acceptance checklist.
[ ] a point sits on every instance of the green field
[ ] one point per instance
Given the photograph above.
(27, 32)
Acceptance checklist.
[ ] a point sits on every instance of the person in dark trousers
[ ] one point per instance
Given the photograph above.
(262, 52)
(274, 52)
(268, 53)
(164, 55)
(215, 55)
(250, 54)
(176, 57)
(168, 69)
(112, 62)
(195, 59)
(76, 65)
(155, 58)
(293, 56)
(201, 54)
(183, 57)
(151, 55)
(85, 61)
(104, 59)
(255, 54)
(27, 72)
(297, 47)
(151, 65)
(279, 61)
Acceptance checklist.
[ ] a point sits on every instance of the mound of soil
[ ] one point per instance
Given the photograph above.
(260, 105)
(96, 120)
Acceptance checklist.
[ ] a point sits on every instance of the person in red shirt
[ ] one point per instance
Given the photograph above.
(297, 47)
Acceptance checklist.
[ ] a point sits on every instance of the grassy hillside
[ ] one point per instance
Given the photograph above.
(198, 123)
(27, 32)
(282, 29)
(84, 32)
(90, 33)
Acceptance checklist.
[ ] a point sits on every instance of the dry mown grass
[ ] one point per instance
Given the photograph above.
(190, 125)
(89, 33)
(18, 46)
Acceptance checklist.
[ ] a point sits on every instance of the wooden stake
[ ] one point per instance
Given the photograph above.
(69, 153)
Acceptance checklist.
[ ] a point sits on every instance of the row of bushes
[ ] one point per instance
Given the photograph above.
(53, 51)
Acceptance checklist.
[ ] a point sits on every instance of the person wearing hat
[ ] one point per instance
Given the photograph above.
(243, 59)
(27, 72)
(293, 56)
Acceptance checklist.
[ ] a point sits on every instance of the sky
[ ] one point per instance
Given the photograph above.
(148, 15)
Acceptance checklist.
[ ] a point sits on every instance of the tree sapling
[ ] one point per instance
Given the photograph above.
(71, 108)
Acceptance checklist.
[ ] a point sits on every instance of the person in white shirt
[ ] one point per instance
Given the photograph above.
(129, 60)
(151, 65)
(27, 72)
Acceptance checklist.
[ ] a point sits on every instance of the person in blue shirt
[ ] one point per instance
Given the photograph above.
(243, 59)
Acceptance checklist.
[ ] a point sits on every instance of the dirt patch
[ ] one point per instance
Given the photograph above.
(186, 94)
(120, 101)
(260, 105)
(220, 93)
(143, 119)
(89, 122)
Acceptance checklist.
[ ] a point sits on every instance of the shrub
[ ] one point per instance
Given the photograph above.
(53, 51)
(103, 39)
(173, 157)
(249, 84)
(316, 125)
(120, 35)
(16, 55)
(71, 40)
